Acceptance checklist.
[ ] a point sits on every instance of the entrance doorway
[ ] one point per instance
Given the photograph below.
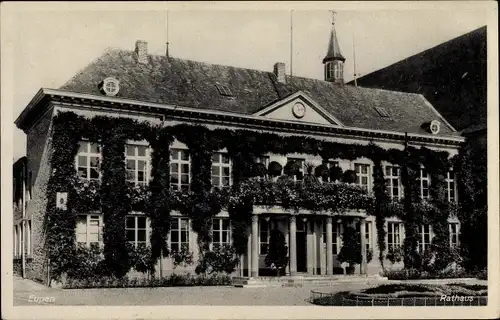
(301, 237)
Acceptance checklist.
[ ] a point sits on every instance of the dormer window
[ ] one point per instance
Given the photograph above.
(109, 86)
(435, 126)
(224, 90)
(382, 112)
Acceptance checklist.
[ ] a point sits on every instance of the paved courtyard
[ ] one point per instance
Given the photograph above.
(215, 296)
(29, 293)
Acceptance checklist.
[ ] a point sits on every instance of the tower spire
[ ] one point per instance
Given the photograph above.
(334, 60)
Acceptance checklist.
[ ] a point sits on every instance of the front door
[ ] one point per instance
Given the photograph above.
(301, 246)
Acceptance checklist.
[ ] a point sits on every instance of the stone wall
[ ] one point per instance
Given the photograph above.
(38, 154)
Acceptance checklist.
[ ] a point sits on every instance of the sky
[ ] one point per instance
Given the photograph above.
(50, 44)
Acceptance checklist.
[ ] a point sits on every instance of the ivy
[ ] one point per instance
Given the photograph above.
(116, 198)
(159, 205)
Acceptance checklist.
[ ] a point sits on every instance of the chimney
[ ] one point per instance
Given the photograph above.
(141, 50)
(279, 72)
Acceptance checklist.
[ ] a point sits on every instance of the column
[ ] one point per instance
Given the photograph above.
(309, 245)
(363, 266)
(249, 251)
(314, 246)
(255, 246)
(329, 248)
(293, 245)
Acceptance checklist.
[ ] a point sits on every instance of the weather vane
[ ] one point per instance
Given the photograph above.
(333, 16)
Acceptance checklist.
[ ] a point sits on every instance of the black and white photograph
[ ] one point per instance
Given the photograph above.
(250, 160)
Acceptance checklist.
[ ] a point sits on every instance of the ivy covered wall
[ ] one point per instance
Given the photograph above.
(116, 199)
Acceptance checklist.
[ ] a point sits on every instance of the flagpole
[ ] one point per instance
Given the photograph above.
(23, 230)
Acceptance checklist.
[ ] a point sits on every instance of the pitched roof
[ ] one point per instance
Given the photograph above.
(193, 84)
(452, 76)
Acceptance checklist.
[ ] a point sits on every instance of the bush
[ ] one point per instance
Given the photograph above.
(321, 171)
(277, 255)
(395, 255)
(174, 280)
(413, 274)
(222, 259)
(87, 263)
(335, 173)
(141, 259)
(349, 176)
(351, 250)
(274, 169)
(182, 257)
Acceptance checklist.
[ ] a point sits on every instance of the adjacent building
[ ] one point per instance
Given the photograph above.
(167, 91)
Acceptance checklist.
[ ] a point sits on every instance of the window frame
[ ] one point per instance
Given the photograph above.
(180, 243)
(136, 158)
(221, 165)
(391, 243)
(328, 164)
(221, 231)
(421, 244)
(360, 175)
(100, 236)
(421, 179)
(451, 186)
(88, 154)
(301, 168)
(390, 181)
(454, 234)
(136, 230)
(261, 231)
(179, 185)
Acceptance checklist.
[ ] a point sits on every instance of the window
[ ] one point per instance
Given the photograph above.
(424, 237)
(136, 230)
(454, 234)
(179, 169)
(394, 235)
(110, 86)
(362, 175)
(264, 231)
(330, 164)
(179, 234)
(334, 70)
(299, 174)
(424, 184)
(382, 112)
(89, 229)
(368, 235)
(220, 232)
(30, 184)
(392, 174)
(16, 240)
(88, 159)
(336, 236)
(264, 160)
(20, 241)
(221, 170)
(224, 90)
(28, 237)
(137, 164)
(450, 183)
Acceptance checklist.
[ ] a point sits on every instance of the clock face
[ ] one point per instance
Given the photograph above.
(299, 110)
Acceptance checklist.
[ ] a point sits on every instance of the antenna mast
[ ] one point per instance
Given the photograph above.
(291, 44)
(166, 29)
(354, 58)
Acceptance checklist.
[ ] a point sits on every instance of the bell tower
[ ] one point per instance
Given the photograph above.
(334, 60)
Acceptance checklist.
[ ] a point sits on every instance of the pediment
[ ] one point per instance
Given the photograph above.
(298, 107)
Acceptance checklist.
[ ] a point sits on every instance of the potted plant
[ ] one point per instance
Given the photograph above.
(274, 169)
(349, 176)
(310, 177)
(277, 254)
(335, 173)
(321, 171)
(351, 250)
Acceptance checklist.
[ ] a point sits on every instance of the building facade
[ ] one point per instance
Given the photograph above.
(165, 92)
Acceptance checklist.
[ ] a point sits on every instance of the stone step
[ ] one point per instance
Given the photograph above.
(299, 281)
